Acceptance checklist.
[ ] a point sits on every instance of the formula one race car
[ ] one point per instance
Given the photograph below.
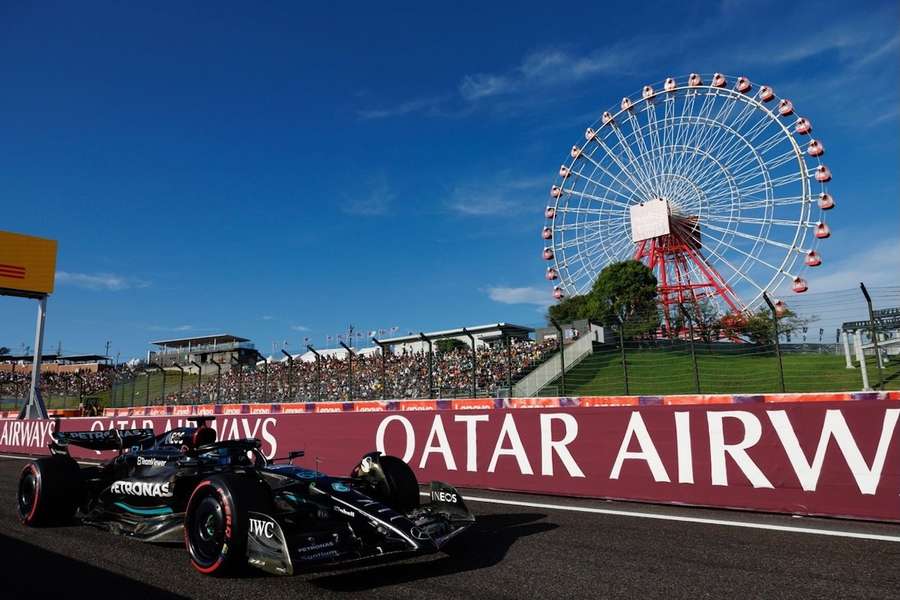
(231, 507)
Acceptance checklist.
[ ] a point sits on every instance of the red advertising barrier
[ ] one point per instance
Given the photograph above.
(838, 458)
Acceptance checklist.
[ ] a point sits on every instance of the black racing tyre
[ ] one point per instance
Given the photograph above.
(49, 491)
(216, 522)
(402, 486)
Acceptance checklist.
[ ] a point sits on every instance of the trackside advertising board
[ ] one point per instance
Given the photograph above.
(815, 458)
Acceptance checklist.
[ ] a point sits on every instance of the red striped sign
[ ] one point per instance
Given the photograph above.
(12, 271)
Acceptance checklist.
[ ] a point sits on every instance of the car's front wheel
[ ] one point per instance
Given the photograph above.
(216, 522)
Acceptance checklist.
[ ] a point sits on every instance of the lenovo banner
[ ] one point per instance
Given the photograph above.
(826, 458)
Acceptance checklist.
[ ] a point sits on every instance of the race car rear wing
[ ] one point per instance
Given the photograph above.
(113, 439)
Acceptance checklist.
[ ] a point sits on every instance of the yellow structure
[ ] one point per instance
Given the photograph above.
(27, 265)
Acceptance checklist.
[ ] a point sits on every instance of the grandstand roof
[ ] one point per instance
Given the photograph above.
(221, 338)
(498, 328)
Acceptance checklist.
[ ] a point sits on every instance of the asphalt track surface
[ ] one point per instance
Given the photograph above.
(514, 551)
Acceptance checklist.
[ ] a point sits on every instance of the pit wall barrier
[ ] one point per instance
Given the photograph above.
(810, 454)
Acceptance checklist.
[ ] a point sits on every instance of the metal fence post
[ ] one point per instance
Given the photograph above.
(874, 334)
(290, 360)
(430, 365)
(622, 354)
(240, 367)
(861, 358)
(383, 369)
(180, 382)
(777, 343)
(162, 393)
(318, 372)
(350, 368)
(690, 322)
(474, 363)
(218, 380)
(562, 357)
(509, 365)
(199, 380)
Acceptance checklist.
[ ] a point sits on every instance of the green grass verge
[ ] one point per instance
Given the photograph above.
(654, 372)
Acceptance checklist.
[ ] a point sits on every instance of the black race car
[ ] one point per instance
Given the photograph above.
(231, 506)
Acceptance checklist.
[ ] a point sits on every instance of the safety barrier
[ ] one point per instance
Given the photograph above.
(811, 454)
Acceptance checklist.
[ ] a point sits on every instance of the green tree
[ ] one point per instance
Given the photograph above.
(758, 327)
(625, 295)
(569, 309)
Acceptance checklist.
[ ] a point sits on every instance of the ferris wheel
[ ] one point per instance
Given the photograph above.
(713, 182)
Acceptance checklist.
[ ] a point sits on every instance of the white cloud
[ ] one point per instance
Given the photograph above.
(167, 328)
(299, 327)
(100, 281)
(267, 317)
(499, 194)
(876, 264)
(429, 104)
(521, 295)
(375, 201)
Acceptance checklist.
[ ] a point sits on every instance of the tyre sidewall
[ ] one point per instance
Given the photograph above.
(237, 496)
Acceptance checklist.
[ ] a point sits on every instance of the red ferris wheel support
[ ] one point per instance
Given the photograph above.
(670, 257)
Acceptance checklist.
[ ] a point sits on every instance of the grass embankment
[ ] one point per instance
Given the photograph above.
(655, 372)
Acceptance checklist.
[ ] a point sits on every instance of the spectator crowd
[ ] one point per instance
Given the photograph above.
(406, 375)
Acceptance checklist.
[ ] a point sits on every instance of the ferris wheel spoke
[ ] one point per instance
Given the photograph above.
(578, 240)
(734, 269)
(785, 201)
(773, 183)
(747, 236)
(586, 211)
(591, 180)
(637, 189)
(574, 192)
(626, 148)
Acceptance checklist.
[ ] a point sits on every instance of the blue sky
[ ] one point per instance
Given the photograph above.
(281, 171)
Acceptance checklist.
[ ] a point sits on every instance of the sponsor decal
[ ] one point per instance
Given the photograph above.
(258, 527)
(152, 489)
(344, 511)
(340, 487)
(320, 555)
(314, 547)
(444, 496)
(146, 461)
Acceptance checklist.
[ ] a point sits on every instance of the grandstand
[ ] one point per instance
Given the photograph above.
(206, 351)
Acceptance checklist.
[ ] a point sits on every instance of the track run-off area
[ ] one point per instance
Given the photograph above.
(523, 546)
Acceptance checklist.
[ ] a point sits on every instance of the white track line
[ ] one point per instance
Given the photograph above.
(661, 517)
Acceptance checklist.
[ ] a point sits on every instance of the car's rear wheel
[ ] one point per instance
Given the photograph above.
(49, 491)
(216, 522)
